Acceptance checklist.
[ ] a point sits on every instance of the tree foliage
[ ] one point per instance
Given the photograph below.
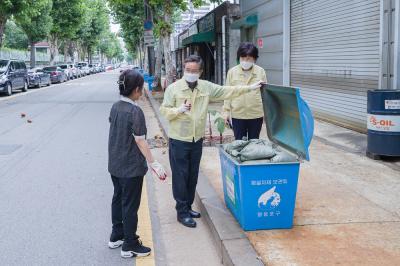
(7, 9)
(15, 37)
(36, 22)
(130, 15)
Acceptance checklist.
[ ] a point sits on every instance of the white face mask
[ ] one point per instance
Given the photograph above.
(190, 77)
(246, 65)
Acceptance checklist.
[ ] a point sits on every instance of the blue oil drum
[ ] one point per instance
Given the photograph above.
(383, 123)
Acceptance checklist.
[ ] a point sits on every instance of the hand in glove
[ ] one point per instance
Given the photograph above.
(184, 107)
(228, 121)
(158, 170)
(256, 85)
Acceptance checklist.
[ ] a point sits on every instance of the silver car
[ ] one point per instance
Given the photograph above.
(67, 70)
(84, 67)
(76, 72)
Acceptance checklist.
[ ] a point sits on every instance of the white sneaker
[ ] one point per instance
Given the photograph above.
(115, 244)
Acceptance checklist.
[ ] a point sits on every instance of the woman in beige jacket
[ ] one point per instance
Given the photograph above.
(245, 114)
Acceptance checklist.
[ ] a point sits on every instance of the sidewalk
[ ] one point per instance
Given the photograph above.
(347, 208)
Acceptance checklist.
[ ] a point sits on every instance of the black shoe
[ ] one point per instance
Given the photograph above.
(137, 250)
(194, 214)
(116, 240)
(187, 221)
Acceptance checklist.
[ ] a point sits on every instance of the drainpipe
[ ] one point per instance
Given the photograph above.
(223, 50)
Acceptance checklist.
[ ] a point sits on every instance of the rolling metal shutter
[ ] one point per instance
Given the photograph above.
(334, 56)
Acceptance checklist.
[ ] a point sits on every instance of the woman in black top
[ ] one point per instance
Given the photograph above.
(127, 155)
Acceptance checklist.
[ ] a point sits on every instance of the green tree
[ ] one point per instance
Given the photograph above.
(130, 15)
(164, 27)
(67, 19)
(36, 23)
(96, 22)
(7, 9)
(110, 46)
(15, 37)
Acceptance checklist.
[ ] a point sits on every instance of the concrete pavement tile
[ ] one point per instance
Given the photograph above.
(370, 179)
(333, 202)
(185, 245)
(344, 244)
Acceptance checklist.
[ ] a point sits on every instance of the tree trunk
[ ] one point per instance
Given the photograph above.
(53, 43)
(3, 21)
(33, 54)
(66, 43)
(157, 70)
(169, 68)
(89, 55)
(140, 56)
(71, 51)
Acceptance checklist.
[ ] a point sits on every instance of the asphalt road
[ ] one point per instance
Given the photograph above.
(55, 191)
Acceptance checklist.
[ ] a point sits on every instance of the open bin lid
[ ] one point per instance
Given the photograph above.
(288, 118)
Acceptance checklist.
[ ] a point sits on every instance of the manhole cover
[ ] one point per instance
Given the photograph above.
(6, 149)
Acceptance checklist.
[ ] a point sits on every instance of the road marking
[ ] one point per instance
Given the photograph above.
(145, 229)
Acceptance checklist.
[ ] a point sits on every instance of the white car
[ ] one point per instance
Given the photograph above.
(84, 67)
(67, 70)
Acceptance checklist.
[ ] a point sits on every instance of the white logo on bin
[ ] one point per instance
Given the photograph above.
(270, 199)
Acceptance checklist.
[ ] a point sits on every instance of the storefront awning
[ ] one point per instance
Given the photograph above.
(245, 22)
(208, 36)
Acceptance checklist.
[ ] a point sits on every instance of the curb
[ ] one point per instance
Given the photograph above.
(233, 246)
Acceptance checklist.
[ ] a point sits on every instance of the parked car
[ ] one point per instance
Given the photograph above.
(92, 69)
(109, 67)
(97, 68)
(83, 66)
(67, 70)
(82, 72)
(13, 75)
(57, 75)
(38, 78)
(76, 73)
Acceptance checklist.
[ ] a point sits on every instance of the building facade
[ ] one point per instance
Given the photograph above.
(334, 51)
(211, 38)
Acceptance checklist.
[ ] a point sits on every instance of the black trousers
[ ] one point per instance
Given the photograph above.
(184, 158)
(249, 128)
(125, 206)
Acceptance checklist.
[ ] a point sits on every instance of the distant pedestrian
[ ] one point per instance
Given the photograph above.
(245, 114)
(127, 155)
(185, 107)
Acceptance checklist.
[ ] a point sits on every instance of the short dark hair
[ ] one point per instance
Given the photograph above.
(129, 81)
(194, 59)
(247, 49)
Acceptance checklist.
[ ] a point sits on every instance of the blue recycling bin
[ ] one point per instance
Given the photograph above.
(145, 77)
(260, 194)
(150, 80)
